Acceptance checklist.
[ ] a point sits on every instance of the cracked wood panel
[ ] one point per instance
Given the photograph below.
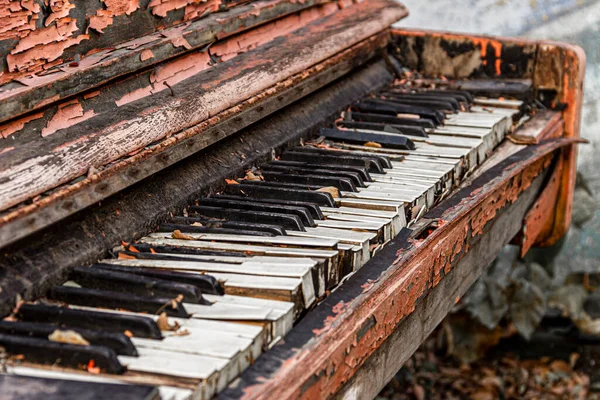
(21, 94)
(327, 348)
(37, 36)
(39, 165)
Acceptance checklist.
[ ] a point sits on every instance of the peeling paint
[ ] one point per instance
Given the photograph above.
(67, 115)
(15, 126)
(114, 8)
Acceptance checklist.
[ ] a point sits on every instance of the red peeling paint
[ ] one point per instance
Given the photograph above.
(68, 114)
(6, 150)
(15, 126)
(146, 55)
(114, 8)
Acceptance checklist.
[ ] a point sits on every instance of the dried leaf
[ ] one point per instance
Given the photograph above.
(251, 177)
(178, 235)
(419, 392)
(373, 144)
(197, 224)
(527, 308)
(152, 250)
(92, 369)
(232, 182)
(163, 323)
(67, 336)
(123, 256)
(128, 333)
(332, 190)
(182, 332)
(133, 249)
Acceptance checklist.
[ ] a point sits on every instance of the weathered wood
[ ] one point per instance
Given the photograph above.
(132, 47)
(388, 358)
(327, 347)
(70, 198)
(36, 167)
(29, 267)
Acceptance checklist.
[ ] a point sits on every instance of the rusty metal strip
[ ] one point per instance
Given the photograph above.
(69, 199)
(325, 350)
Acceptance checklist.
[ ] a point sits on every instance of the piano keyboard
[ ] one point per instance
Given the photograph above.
(186, 309)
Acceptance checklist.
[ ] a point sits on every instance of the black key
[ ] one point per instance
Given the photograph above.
(118, 301)
(300, 212)
(315, 180)
(18, 387)
(353, 176)
(290, 222)
(382, 161)
(118, 342)
(134, 284)
(144, 250)
(391, 140)
(314, 209)
(284, 185)
(276, 230)
(203, 229)
(385, 107)
(43, 351)
(344, 160)
(518, 88)
(457, 93)
(320, 198)
(138, 325)
(438, 105)
(362, 172)
(448, 98)
(386, 119)
(205, 283)
(382, 127)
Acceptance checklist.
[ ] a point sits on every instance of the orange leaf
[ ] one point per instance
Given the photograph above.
(231, 182)
(123, 256)
(152, 250)
(133, 249)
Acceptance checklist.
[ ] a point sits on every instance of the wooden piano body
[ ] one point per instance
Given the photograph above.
(109, 129)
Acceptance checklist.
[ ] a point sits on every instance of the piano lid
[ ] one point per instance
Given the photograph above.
(86, 92)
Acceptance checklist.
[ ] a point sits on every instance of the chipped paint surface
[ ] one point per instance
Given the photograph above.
(15, 126)
(114, 8)
(68, 114)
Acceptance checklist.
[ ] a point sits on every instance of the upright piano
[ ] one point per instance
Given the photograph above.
(259, 199)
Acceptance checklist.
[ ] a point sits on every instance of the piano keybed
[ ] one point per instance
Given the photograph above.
(189, 307)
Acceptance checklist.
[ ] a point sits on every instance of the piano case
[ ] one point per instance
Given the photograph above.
(117, 114)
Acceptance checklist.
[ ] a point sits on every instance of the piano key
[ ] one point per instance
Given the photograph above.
(376, 159)
(202, 229)
(95, 278)
(139, 326)
(412, 199)
(387, 119)
(207, 284)
(299, 211)
(504, 103)
(398, 218)
(392, 140)
(380, 228)
(376, 106)
(117, 300)
(381, 127)
(341, 159)
(287, 221)
(433, 104)
(320, 198)
(331, 258)
(233, 284)
(44, 351)
(353, 176)
(311, 207)
(455, 100)
(118, 342)
(146, 250)
(361, 171)
(313, 180)
(17, 386)
(276, 230)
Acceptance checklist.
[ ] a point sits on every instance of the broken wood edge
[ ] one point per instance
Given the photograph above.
(327, 347)
(197, 33)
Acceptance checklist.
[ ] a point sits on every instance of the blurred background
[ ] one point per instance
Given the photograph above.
(528, 328)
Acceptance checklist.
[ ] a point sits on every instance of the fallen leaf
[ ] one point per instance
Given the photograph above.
(197, 224)
(419, 392)
(67, 336)
(560, 366)
(92, 369)
(522, 139)
(163, 323)
(251, 177)
(133, 249)
(332, 190)
(373, 144)
(178, 235)
(231, 182)
(123, 256)
(182, 332)
(152, 250)
(128, 334)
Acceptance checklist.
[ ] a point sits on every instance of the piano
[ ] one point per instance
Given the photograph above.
(259, 199)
